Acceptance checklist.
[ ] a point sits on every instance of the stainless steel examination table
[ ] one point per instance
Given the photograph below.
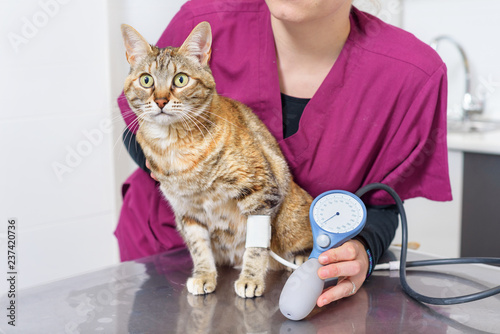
(149, 296)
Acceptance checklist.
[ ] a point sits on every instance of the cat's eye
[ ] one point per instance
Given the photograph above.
(146, 81)
(181, 80)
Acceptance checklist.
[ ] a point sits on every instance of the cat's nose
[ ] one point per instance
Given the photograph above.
(161, 102)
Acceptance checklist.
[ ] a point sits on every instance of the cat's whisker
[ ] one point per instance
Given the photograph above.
(185, 124)
(214, 114)
(201, 113)
(134, 125)
(201, 123)
(202, 116)
(189, 128)
(208, 130)
(178, 109)
(116, 118)
(205, 108)
(196, 111)
(196, 122)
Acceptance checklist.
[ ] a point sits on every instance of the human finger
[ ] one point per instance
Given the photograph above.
(149, 167)
(345, 268)
(343, 289)
(346, 252)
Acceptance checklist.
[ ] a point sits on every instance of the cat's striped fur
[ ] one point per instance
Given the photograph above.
(215, 160)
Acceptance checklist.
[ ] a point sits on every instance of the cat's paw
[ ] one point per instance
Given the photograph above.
(202, 284)
(246, 287)
(300, 259)
(297, 259)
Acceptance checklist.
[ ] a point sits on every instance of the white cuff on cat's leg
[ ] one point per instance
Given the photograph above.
(258, 231)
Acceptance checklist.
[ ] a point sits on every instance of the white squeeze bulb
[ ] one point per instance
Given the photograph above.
(301, 291)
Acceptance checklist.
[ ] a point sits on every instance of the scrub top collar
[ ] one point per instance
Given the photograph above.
(315, 110)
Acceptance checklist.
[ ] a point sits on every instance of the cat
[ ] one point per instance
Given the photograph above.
(216, 163)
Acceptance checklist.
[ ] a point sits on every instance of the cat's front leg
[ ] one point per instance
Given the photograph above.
(251, 282)
(197, 237)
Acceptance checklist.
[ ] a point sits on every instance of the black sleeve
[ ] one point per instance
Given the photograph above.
(379, 230)
(134, 149)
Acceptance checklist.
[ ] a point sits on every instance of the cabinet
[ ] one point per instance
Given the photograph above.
(480, 205)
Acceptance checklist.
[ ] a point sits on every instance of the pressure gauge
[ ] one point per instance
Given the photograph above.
(336, 216)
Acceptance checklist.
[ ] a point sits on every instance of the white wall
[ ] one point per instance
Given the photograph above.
(56, 174)
(389, 11)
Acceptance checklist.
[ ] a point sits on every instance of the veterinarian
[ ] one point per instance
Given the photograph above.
(350, 99)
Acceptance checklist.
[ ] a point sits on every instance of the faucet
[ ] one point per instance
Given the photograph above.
(471, 105)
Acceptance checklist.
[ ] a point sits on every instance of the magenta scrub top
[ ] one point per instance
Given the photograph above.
(379, 116)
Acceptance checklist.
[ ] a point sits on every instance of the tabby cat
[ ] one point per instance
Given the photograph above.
(216, 163)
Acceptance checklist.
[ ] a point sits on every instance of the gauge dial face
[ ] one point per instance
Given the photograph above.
(338, 213)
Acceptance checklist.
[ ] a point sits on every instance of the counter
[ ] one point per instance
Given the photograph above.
(477, 142)
(149, 296)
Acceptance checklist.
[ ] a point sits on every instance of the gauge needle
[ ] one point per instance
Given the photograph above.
(335, 215)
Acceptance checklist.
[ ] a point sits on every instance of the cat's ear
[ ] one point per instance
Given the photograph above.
(137, 47)
(199, 43)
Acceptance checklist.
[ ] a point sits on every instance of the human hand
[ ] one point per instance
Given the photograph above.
(149, 167)
(349, 263)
